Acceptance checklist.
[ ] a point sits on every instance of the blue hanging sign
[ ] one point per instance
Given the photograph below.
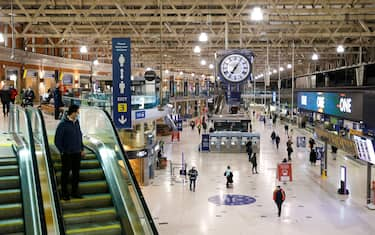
(140, 114)
(121, 72)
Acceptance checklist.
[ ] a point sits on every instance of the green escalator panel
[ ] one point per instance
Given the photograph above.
(11, 210)
(95, 212)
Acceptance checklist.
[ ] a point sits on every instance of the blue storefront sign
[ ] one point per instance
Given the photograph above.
(205, 145)
(140, 114)
(345, 105)
(121, 72)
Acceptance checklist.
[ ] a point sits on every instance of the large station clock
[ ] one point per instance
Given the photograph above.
(235, 68)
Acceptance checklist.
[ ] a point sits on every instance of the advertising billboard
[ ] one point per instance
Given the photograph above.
(345, 105)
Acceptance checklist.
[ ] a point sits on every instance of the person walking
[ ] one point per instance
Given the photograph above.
(289, 149)
(286, 128)
(313, 157)
(13, 93)
(277, 141)
(279, 198)
(199, 129)
(5, 100)
(29, 97)
(68, 140)
(273, 136)
(255, 164)
(311, 143)
(57, 100)
(229, 175)
(193, 174)
(249, 149)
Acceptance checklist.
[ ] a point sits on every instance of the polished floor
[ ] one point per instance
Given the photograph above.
(312, 205)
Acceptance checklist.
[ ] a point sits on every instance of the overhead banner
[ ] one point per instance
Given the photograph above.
(121, 72)
(345, 105)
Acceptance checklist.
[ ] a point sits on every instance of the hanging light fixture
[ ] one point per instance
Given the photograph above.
(203, 37)
(2, 38)
(96, 62)
(281, 69)
(197, 49)
(181, 73)
(256, 14)
(83, 49)
(192, 74)
(203, 62)
(211, 66)
(167, 71)
(315, 56)
(340, 49)
(289, 66)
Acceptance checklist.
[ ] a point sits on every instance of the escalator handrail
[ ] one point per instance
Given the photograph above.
(52, 173)
(36, 174)
(130, 171)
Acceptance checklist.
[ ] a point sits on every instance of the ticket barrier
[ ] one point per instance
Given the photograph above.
(233, 142)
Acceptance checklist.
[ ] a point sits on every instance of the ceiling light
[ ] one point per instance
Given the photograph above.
(211, 66)
(203, 37)
(148, 69)
(340, 49)
(96, 62)
(203, 62)
(197, 49)
(166, 71)
(1, 38)
(181, 73)
(203, 76)
(192, 74)
(256, 14)
(281, 69)
(261, 75)
(315, 56)
(274, 71)
(289, 66)
(83, 49)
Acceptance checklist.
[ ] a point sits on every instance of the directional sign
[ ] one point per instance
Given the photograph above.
(140, 114)
(121, 72)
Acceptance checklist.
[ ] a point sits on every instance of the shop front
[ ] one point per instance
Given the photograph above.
(339, 112)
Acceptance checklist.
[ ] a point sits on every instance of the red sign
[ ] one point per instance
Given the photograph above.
(284, 172)
(175, 135)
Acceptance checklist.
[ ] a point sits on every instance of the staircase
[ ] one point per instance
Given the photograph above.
(94, 214)
(11, 212)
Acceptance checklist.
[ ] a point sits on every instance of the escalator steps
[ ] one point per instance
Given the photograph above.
(9, 182)
(94, 213)
(11, 226)
(110, 228)
(10, 211)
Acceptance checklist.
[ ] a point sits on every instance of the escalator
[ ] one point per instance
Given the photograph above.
(21, 208)
(111, 202)
(11, 214)
(220, 104)
(169, 121)
(95, 212)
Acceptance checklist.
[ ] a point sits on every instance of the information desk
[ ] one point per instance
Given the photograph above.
(233, 142)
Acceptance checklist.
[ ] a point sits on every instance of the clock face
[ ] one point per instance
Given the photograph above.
(235, 68)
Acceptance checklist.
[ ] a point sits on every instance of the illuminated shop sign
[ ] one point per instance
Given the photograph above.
(345, 105)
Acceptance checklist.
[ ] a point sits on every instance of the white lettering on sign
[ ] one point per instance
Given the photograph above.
(320, 102)
(346, 105)
(304, 100)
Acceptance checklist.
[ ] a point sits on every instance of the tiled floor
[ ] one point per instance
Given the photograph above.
(312, 205)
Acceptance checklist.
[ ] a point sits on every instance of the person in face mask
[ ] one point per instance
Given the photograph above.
(68, 140)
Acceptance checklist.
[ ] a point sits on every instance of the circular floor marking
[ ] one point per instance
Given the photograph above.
(231, 200)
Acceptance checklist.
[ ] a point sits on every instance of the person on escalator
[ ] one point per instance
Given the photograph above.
(68, 140)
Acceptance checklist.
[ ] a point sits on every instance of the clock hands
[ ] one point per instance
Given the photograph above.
(235, 67)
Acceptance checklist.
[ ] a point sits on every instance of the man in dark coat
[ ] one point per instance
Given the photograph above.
(193, 174)
(5, 100)
(68, 140)
(57, 99)
(279, 198)
(277, 140)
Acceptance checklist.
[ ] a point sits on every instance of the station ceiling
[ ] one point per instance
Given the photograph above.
(164, 32)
